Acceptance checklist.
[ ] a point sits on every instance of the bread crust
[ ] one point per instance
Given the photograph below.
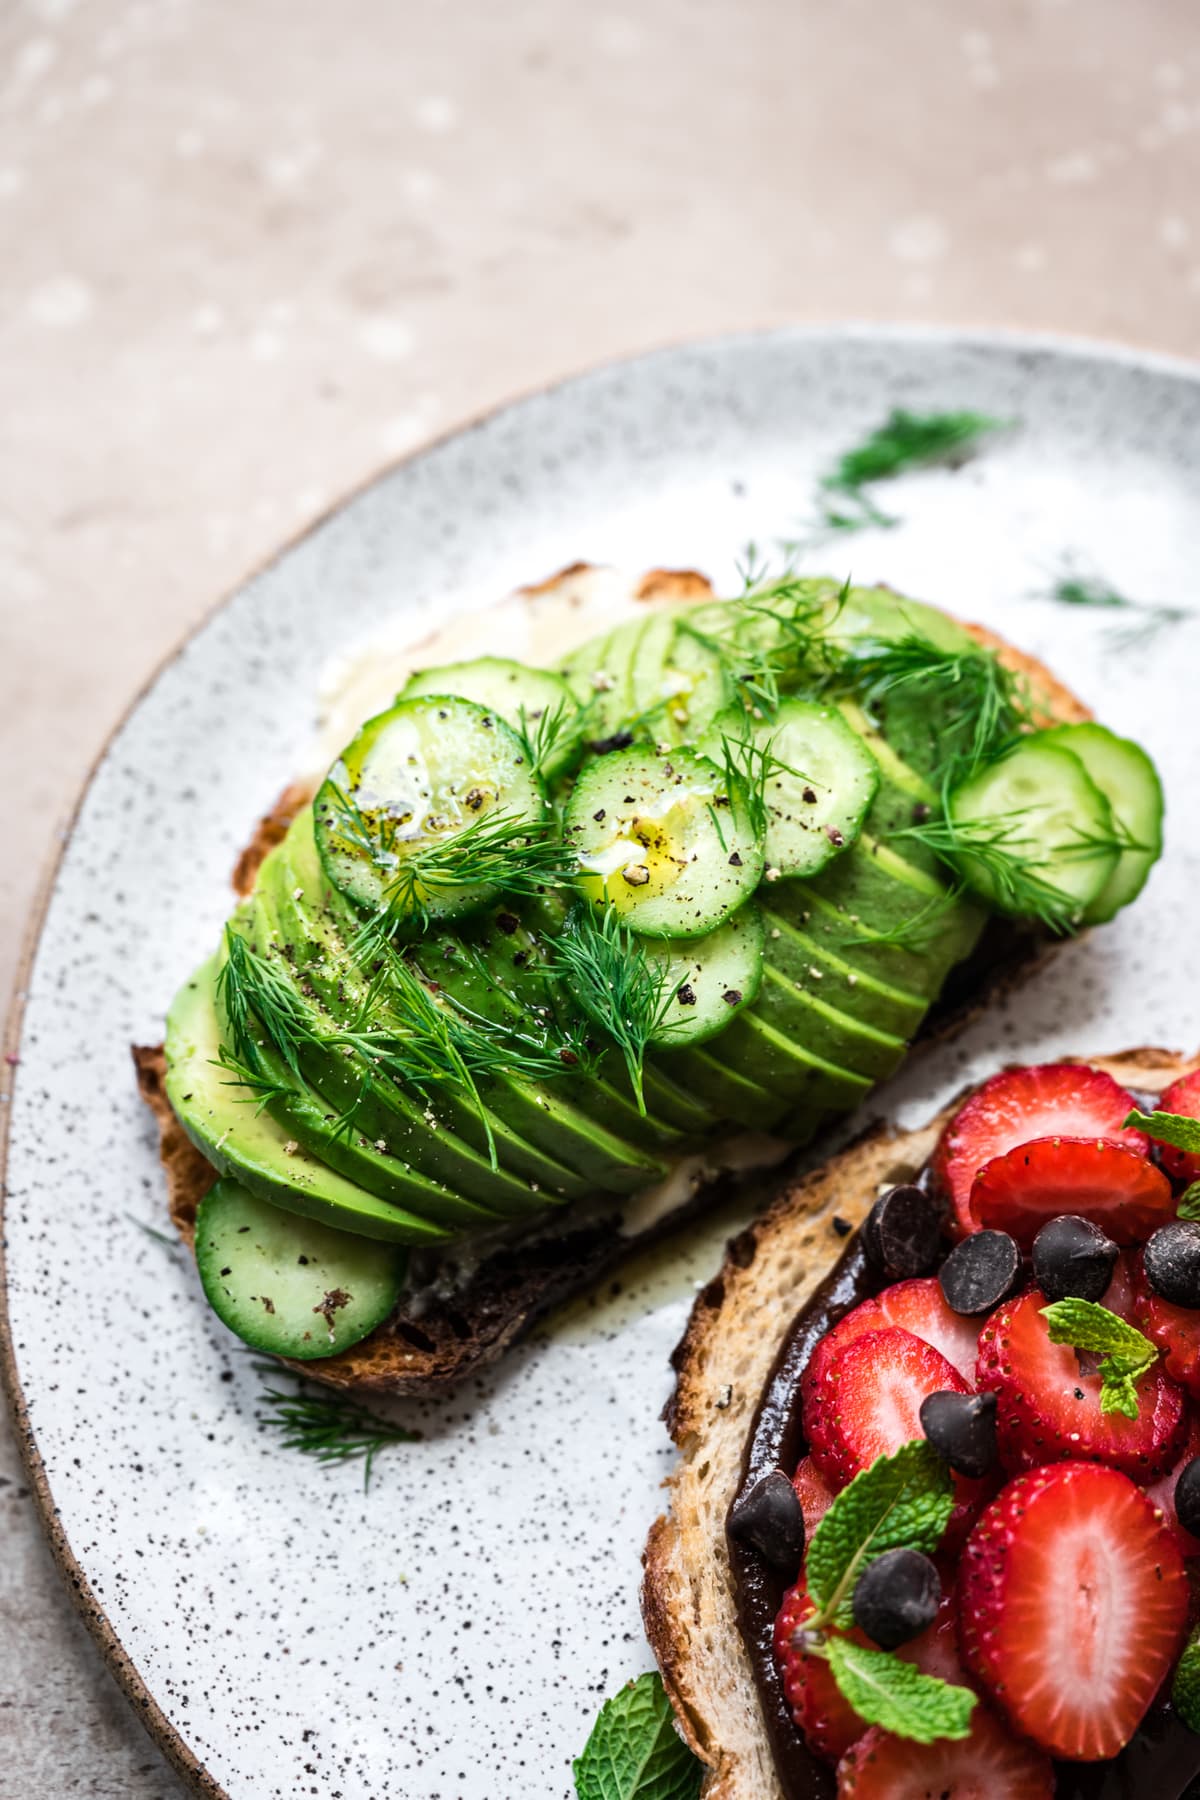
(453, 1339)
(722, 1363)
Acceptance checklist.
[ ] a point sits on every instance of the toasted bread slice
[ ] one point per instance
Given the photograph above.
(440, 1341)
(721, 1365)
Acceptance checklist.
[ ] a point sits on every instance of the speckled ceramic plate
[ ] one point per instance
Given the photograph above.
(451, 1632)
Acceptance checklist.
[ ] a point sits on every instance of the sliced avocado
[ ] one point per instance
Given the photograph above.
(734, 1098)
(454, 1136)
(879, 893)
(240, 1140)
(755, 1048)
(804, 959)
(804, 1018)
(902, 799)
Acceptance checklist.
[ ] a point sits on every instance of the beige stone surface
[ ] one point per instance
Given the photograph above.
(252, 249)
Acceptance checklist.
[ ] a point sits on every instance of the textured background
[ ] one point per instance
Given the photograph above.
(252, 249)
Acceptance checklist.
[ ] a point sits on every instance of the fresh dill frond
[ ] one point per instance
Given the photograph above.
(776, 632)
(500, 849)
(1011, 863)
(421, 1042)
(617, 984)
(554, 732)
(326, 1427)
(905, 441)
(159, 1237)
(981, 705)
(915, 933)
(1073, 587)
(243, 1074)
(748, 768)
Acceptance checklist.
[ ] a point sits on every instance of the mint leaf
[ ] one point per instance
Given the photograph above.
(1126, 1355)
(893, 1694)
(1189, 1202)
(1185, 1689)
(635, 1752)
(1167, 1128)
(901, 1501)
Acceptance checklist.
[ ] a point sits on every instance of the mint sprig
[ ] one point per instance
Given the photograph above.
(1189, 1202)
(1126, 1355)
(635, 1752)
(1185, 1688)
(893, 1694)
(903, 1501)
(1176, 1129)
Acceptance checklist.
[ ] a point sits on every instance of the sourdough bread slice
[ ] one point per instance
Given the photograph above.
(721, 1366)
(443, 1336)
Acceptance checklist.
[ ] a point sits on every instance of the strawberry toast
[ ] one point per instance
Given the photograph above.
(936, 1523)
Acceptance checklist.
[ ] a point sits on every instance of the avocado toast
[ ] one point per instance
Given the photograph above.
(551, 954)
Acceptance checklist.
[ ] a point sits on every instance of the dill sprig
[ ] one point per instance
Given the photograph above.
(771, 633)
(904, 441)
(424, 1042)
(981, 704)
(554, 733)
(501, 849)
(749, 768)
(326, 1427)
(1074, 588)
(915, 933)
(1011, 862)
(159, 1237)
(617, 984)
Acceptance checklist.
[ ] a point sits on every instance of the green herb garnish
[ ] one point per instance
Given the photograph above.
(547, 736)
(905, 441)
(1125, 1354)
(635, 1752)
(617, 984)
(158, 1237)
(1189, 1202)
(901, 1501)
(776, 632)
(1176, 1129)
(980, 704)
(328, 1428)
(1185, 1688)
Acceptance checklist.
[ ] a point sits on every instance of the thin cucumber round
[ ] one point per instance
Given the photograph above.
(711, 978)
(290, 1286)
(536, 703)
(680, 684)
(816, 775)
(427, 791)
(1045, 834)
(1129, 782)
(665, 840)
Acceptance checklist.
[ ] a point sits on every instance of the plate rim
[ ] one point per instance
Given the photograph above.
(117, 1660)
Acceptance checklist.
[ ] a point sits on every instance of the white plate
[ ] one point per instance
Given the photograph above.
(451, 1633)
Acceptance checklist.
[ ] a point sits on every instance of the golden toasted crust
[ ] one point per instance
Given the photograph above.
(736, 1327)
(445, 1345)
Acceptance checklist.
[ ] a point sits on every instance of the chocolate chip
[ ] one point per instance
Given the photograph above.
(1187, 1497)
(902, 1233)
(1172, 1262)
(980, 1272)
(896, 1597)
(1073, 1259)
(768, 1517)
(962, 1429)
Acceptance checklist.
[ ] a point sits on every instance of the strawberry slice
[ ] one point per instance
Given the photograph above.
(829, 1723)
(918, 1306)
(988, 1765)
(814, 1494)
(1073, 1605)
(864, 1399)
(1020, 1104)
(1162, 1493)
(1175, 1330)
(1183, 1096)
(1049, 1407)
(1116, 1188)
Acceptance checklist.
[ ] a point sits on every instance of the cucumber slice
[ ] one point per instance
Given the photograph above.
(1129, 782)
(529, 700)
(1048, 822)
(290, 1286)
(818, 780)
(679, 683)
(666, 840)
(415, 779)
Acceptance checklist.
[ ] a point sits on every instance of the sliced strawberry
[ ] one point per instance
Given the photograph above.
(1049, 1408)
(1116, 1188)
(814, 1494)
(1162, 1493)
(864, 1400)
(1183, 1096)
(1018, 1105)
(829, 1723)
(988, 1765)
(1073, 1606)
(918, 1306)
(1174, 1329)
